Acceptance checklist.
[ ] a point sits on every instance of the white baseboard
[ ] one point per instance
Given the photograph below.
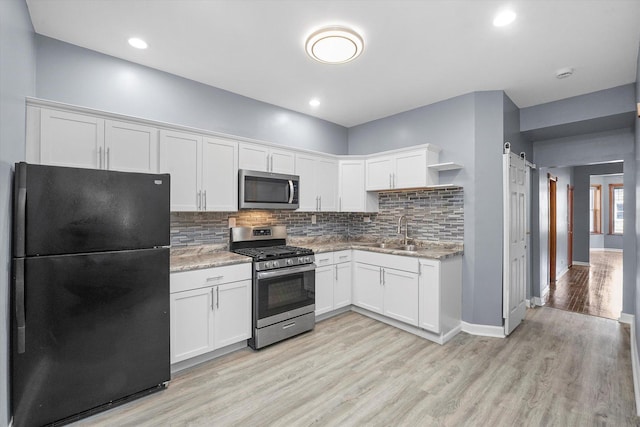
(626, 318)
(635, 365)
(606, 249)
(483, 330)
(186, 364)
(562, 273)
(585, 264)
(537, 302)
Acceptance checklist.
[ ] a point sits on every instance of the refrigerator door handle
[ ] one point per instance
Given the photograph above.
(20, 226)
(20, 311)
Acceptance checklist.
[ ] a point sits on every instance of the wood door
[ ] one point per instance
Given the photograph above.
(552, 227)
(570, 225)
(515, 206)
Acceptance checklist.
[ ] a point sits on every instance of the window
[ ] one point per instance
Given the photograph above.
(616, 208)
(595, 203)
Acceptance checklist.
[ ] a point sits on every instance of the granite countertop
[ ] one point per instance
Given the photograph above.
(208, 256)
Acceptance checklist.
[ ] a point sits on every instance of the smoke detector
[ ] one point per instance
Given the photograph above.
(563, 73)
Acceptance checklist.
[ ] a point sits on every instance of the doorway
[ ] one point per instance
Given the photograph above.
(553, 234)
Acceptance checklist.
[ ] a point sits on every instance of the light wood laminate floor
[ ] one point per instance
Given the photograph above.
(595, 289)
(556, 369)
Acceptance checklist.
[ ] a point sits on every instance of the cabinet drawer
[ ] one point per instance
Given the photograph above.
(398, 262)
(186, 280)
(325, 258)
(341, 256)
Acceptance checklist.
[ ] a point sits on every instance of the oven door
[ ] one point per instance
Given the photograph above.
(283, 294)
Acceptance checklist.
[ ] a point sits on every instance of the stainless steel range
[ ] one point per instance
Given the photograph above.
(283, 283)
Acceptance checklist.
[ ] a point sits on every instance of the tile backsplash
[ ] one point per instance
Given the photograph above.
(432, 215)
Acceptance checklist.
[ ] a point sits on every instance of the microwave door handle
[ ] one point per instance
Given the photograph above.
(285, 271)
(291, 190)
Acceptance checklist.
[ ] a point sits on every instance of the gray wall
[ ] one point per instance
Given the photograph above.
(17, 80)
(636, 182)
(470, 129)
(74, 75)
(585, 149)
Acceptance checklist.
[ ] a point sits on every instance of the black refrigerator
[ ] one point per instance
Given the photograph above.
(90, 290)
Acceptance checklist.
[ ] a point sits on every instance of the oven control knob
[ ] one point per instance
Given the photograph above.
(267, 264)
(300, 260)
(276, 264)
(289, 262)
(307, 259)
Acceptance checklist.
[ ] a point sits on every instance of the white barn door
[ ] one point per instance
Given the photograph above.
(514, 276)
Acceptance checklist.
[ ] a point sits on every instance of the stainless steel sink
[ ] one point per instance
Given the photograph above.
(396, 247)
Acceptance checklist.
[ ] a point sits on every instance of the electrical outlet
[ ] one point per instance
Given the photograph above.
(366, 219)
(232, 222)
(313, 219)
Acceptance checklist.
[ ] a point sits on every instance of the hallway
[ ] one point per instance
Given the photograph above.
(594, 290)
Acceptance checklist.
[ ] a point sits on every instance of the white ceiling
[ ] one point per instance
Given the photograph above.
(416, 52)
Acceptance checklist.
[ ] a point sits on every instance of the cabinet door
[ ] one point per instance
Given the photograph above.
(352, 190)
(306, 170)
(180, 157)
(400, 295)
(130, 147)
(191, 323)
(379, 173)
(219, 175)
(430, 295)
(68, 139)
(410, 169)
(367, 290)
(342, 285)
(327, 184)
(282, 161)
(232, 313)
(253, 157)
(324, 289)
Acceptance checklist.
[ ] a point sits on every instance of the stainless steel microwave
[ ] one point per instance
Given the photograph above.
(267, 190)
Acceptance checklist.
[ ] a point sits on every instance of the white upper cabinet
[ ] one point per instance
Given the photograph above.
(403, 169)
(130, 147)
(69, 139)
(180, 157)
(78, 140)
(318, 183)
(353, 196)
(204, 176)
(266, 159)
(219, 174)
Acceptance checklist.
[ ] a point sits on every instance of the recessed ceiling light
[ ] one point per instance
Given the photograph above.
(137, 43)
(334, 45)
(503, 18)
(314, 102)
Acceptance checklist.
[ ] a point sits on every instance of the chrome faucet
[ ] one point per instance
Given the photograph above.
(406, 227)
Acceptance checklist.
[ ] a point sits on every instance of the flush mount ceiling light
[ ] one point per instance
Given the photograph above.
(137, 43)
(334, 45)
(504, 17)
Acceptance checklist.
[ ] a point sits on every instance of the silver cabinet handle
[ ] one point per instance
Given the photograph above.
(198, 199)
(99, 157)
(107, 161)
(211, 279)
(390, 181)
(336, 267)
(272, 163)
(205, 199)
(340, 204)
(320, 204)
(394, 180)
(380, 276)
(384, 277)
(211, 299)
(316, 203)
(218, 297)
(267, 163)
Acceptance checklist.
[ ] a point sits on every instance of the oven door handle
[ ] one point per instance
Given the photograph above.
(285, 271)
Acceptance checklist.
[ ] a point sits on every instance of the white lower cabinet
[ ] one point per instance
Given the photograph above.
(440, 294)
(210, 309)
(333, 281)
(392, 292)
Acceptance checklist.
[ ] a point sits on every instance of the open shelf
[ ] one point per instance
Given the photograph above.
(445, 166)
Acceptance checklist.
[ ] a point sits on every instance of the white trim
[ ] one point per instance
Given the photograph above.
(562, 273)
(606, 249)
(483, 330)
(333, 313)
(188, 363)
(635, 365)
(537, 302)
(626, 318)
(586, 264)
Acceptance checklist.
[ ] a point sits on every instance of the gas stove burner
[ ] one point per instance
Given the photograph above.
(273, 252)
